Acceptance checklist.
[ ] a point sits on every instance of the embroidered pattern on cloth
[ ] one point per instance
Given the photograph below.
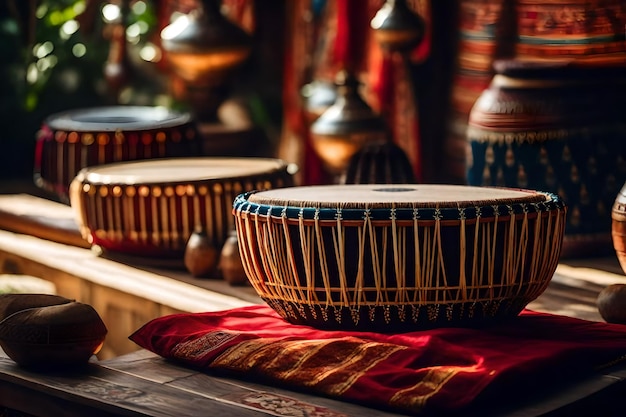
(197, 348)
(329, 366)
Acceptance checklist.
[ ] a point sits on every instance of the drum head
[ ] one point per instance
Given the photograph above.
(113, 118)
(377, 195)
(176, 170)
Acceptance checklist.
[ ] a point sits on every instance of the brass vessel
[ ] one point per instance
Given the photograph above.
(203, 48)
(397, 27)
(345, 126)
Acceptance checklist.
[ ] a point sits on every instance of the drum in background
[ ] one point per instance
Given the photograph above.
(75, 139)
(395, 257)
(150, 208)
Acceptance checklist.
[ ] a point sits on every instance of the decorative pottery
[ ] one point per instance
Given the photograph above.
(72, 140)
(203, 48)
(151, 208)
(555, 126)
(345, 126)
(393, 257)
(618, 227)
(397, 27)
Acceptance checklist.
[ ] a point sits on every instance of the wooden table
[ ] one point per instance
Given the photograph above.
(143, 384)
(125, 380)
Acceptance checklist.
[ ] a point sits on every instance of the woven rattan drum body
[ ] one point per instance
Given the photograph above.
(151, 208)
(385, 257)
(80, 138)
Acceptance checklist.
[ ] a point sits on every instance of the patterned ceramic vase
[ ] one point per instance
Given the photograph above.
(554, 126)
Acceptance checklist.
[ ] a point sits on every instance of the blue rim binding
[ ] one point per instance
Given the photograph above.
(241, 204)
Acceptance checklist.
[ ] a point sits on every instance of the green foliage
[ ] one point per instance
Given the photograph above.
(52, 60)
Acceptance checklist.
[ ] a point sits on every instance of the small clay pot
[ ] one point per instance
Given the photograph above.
(201, 255)
(611, 303)
(230, 264)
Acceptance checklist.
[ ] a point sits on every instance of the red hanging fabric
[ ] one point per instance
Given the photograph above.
(391, 77)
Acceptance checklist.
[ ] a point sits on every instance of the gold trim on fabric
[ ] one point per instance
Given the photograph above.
(331, 366)
(435, 379)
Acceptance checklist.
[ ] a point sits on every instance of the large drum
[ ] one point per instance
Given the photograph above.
(150, 208)
(393, 257)
(75, 139)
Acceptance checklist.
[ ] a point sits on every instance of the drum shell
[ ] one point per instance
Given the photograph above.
(556, 128)
(374, 274)
(156, 218)
(63, 149)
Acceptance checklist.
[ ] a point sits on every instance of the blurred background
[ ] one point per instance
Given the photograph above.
(65, 54)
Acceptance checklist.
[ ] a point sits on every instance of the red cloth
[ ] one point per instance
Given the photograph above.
(440, 370)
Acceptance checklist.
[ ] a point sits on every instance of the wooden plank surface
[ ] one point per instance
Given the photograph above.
(36, 216)
(143, 384)
(146, 385)
(30, 251)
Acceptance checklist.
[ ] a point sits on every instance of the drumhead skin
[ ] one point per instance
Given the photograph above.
(150, 208)
(176, 170)
(399, 257)
(385, 195)
(112, 118)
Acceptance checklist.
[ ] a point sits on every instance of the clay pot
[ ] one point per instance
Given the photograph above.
(201, 254)
(230, 264)
(554, 126)
(611, 303)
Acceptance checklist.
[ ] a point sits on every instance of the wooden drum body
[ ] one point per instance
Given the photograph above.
(393, 257)
(151, 208)
(75, 139)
